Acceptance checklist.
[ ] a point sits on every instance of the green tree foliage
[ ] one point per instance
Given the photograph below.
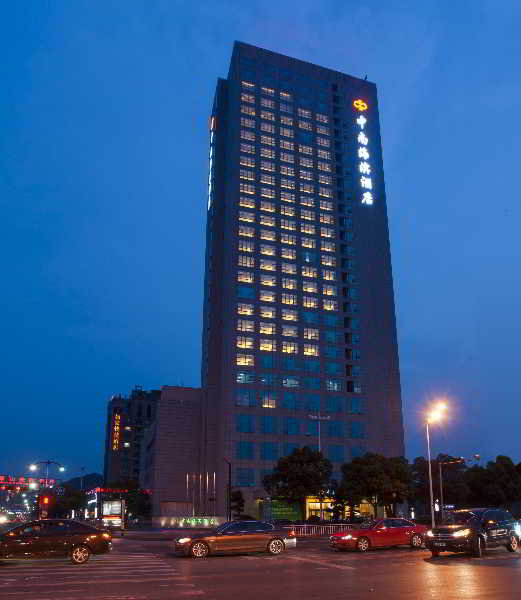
(237, 502)
(138, 502)
(302, 473)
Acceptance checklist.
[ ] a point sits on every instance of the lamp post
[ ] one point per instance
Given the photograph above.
(47, 463)
(454, 461)
(434, 416)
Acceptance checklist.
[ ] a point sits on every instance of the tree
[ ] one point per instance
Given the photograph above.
(302, 473)
(237, 503)
(61, 505)
(137, 500)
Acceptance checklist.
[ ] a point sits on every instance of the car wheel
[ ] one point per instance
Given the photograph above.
(363, 545)
(276, 546)
(199, 550)
(513, 544)
(477, 548)
(416, 541)
(80, 555)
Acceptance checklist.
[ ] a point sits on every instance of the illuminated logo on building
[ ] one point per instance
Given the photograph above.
(116, 431)
(210, 169)
(364, 166)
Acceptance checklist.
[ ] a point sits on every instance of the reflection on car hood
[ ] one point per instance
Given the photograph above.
(450, 528)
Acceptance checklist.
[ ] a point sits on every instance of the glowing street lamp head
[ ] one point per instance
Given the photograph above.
(62, 469)
(32, 467)
(437, 413)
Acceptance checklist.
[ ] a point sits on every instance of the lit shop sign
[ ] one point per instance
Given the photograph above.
(210, 168)
(364, 166)
(116, 432)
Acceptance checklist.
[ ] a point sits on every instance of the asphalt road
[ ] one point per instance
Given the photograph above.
(146, 570)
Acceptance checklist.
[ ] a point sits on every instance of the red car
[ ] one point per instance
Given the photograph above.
(379, 533)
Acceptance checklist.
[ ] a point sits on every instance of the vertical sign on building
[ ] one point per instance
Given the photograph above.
(116, 431)
(364, 158)
(210, 168)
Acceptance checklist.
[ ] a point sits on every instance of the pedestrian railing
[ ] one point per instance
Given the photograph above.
(318, 530)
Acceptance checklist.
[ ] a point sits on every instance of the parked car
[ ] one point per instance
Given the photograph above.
(473, 530)
(379, 533)
(53, 538)
(235, 537)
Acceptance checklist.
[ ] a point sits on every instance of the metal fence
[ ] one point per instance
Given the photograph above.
(318, 530)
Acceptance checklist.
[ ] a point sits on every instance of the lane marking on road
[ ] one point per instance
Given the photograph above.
(322, 563)
(102, 581)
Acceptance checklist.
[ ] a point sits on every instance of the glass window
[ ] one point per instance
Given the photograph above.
(289, 331)
(245, 360)
(245, 292)
(244, 342)
(309, 317)
(289, 347)
(333, 385)
(311, 334)
(244, 423)
(244, 477)
(245, 309)
(289, 315)
(335, 453)
(267, 345)
(268, 424)
(268, 280)
(335, 429)
(245, 276)
(268, 265)
(288, 267)
(290, 381)
(289, 401)
(267, 312)
(309, 302)
(356, 405)
(312, 383)
(357, 430)
(291, 426)
(243, 325)
(312, 403)
(289, 284)
(289, 363)
(268, 379)
(267, 361)
(269, 451)
(268, 399)
(267, 250)
(267, 328)
(311, 350)
(333, 368)
(245, 398)
(245, 377)
(311, 366)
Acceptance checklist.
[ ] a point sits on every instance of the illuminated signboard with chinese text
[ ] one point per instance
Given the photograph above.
(116, 431)
(210, 169)
(364, 165)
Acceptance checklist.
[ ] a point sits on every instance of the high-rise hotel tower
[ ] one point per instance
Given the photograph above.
(299, 318)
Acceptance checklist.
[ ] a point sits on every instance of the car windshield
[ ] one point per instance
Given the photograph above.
(368, 524)
(461, 517)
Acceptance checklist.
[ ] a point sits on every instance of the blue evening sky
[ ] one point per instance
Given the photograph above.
(103, 164)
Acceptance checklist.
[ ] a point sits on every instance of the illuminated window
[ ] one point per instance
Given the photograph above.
(287, 224)
(267, 153)
(267, 140)
(248, 85)
(309, 271)
(308, 215)
(322, 191)
(289, 299)
(328, 219)
(267, 296)
(246, 246)
(290, 347)
(307, 228)
(311, 287)
(287, 183)
(305, 174)
(268, 280)
(248, 148)
(327, 246)
(267, 345)
(268, 399)
(305, 125)
(308, 188)
(247, 135)
(267, 250)
(289, 284)
(328, 261)
(311, 334)
(289, 331)
(302, 112)
(306, 162)
(288, 108)
(268, 91)
(289, 315)
(329, 275)
(286, 238)
(286, 96)
(267, 312)
(267, 192)
(266, 114)
(267, 165)
(246, 261)
(246, 202)
(288, 253)
(266, 234)
(268, 265)
(327, 232)
(246, 231)
(245, 377)
(289, 211)
(333, 385)
(245, 276)
(324, 154)
(286, 132)
(322, 166)
(323, 130)
(246, 326)
(311, 350)
(267, 220)
(267, 206)
(330, 305)
(247, 217)
(286, 120)
(244, 309)
(287, 196)
(269, 179)
(309, 302)
(248, 98)
(245, 360)
(287, 170)
(268, 127)
(289, 268)
(244, 342)
(287, 157)
(305, 149)
(245, 174)
(247, 188)
(329, 290)
(266, 103)
(326, 205)
(247, 161)
(322, 118)
(325, 179)
(267, 328)
(247, 122)
(308, 242)
(307, 201)
(323, 142)
(286, 145)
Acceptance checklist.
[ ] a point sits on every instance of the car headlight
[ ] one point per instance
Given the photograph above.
(107, 536)
(462, 533)
(517, 529)
(183, 540)
(429, 533)
(347, 537)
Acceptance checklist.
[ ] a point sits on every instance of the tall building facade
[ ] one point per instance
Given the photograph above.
(299, 318)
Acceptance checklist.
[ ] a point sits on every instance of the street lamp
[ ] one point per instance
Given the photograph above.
(319, 418)
(47, 463)
(435, 415)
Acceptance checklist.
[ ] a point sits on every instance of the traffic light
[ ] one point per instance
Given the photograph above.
(45, 500)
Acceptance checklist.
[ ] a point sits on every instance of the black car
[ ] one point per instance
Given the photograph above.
(473, 530)
(53, 537)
